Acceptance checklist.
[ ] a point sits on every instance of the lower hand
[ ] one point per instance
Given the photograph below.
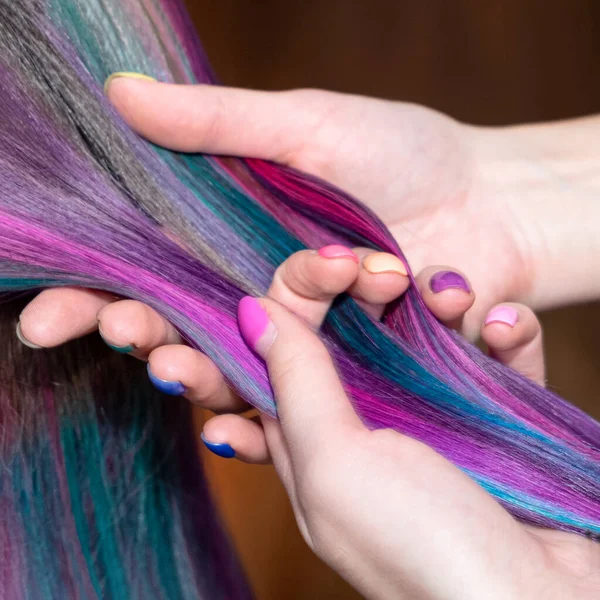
(389, 514)
(489, 202)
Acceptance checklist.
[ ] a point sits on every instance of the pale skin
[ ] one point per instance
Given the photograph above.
(391, 516)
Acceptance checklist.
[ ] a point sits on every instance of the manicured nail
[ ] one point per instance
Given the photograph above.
(448, 280)
(337, 251)
(120, 349)
(502, 314)
(383, 262)
(126, 74)
(25, 341)
(223, 450)
(172, 388)
(256, 328)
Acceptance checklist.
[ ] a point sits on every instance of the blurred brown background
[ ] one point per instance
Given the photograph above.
(495, 62)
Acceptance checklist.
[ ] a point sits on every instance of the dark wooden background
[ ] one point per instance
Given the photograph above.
(495, 62)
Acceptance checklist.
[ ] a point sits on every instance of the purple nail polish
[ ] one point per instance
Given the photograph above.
(448, 280)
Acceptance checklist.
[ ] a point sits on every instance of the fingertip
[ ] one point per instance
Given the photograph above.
(124, 77)
(508, 326)
(171, 387)
(447, 293)
(513, 335)
(233, 436)
(194, 375)
(443, 280)
(506, 315)
(24, 340)
(377, 263)
(337, 251)
(131, 327)
(222, 449)
(308, 281)
(58, 315)
(382, 279)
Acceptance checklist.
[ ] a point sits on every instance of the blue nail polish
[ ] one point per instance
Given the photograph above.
(172, 388)
(223, 450)
(121, 349)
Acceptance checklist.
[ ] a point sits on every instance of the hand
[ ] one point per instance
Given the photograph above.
(482, 200)
(389, 514)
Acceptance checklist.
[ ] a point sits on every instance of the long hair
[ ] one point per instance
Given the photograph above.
(101, 491)
(85, 202)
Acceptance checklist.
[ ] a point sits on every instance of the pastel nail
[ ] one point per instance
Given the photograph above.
(24, 340)
(502, 314)
(448, 280)
(256, 328)
(223, 450)
(172, 388)
(127, 74)
(382, 262)
(337, 251)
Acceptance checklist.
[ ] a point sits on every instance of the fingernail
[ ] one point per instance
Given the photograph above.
(172, 388)
(25, 341)
(128, 74)
(383, 262)
(448, 280)
(223, 450)
(256, 328)
(337, 251)
(120, 349)
(502, 314)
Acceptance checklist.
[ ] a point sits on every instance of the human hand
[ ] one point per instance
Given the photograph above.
(448, 192)
(389, 514)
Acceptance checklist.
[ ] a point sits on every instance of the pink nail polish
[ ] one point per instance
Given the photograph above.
(503, 314)
(256, 328)
(337, 251)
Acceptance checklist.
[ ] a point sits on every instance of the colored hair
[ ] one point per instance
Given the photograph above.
(102, 494)
(85, 202)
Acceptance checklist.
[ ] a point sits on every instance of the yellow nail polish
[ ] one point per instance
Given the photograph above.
(382, 262)
(131, 75)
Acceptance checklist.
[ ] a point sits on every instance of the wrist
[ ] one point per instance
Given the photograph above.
(545, 179)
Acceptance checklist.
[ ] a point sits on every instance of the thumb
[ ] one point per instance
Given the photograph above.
(217, 120)
(311, 402)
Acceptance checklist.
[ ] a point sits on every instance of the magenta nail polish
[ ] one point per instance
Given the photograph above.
(255, 326)
(337, 251)
(503, 314)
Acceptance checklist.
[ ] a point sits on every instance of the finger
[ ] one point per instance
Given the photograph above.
(308, 281)
(58, 315)
(218, 120)
(381, 279)
(302, 375)
(179, 370)
(134, 328)
(232, 436)
(514, 337)
(447, 293)
(282, 461)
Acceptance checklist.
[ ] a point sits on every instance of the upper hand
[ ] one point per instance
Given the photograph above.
(416, 168)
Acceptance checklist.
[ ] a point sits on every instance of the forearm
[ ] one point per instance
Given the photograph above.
(548, 175)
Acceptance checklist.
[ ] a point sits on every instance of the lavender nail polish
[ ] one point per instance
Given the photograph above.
(448, 280)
